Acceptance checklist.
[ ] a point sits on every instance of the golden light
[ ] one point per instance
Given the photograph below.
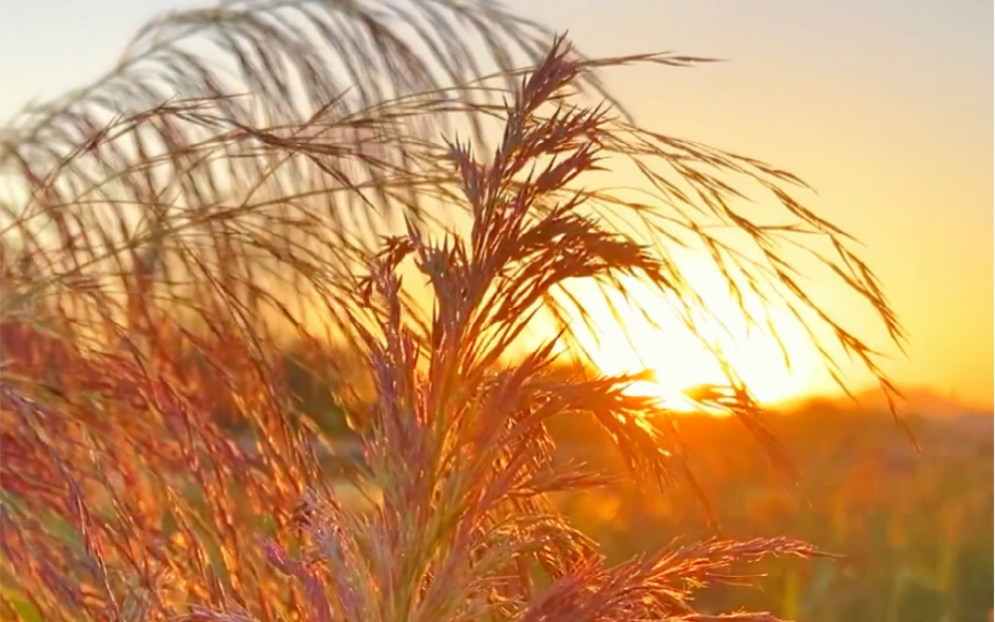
(629, 342)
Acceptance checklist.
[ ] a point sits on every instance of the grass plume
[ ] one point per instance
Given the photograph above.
(145, 270)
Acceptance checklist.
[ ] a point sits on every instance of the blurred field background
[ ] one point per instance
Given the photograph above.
(912, 529)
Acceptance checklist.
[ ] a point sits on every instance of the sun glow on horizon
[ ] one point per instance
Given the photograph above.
(631, 341)
(683, 367)
(668, 397)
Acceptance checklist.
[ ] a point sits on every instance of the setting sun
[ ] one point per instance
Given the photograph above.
(680, 360)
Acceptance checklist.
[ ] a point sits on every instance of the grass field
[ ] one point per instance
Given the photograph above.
(913, 531)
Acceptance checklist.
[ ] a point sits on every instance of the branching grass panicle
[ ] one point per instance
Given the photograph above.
(165, 242)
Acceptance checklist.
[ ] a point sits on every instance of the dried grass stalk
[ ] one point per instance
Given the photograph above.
(142, 273)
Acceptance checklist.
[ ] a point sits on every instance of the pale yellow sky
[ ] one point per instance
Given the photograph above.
(884, 107)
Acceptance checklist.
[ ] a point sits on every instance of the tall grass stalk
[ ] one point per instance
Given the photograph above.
(146, 270)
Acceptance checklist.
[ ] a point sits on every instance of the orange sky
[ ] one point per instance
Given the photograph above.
(885, 108)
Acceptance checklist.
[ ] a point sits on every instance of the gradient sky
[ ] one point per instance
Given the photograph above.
(884, 107)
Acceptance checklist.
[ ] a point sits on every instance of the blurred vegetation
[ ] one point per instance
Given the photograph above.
(912, 531)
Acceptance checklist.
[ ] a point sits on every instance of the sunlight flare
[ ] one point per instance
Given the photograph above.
(721, 349)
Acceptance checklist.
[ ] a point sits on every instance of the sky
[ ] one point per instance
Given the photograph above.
(884, 107)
